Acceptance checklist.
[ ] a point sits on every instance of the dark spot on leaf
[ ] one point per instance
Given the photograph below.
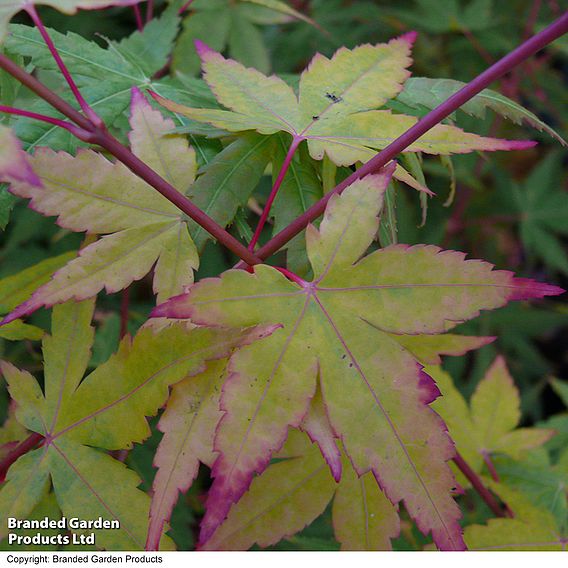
(333, 98)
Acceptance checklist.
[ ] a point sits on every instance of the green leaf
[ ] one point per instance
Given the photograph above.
(442, 16)
(543, 485)
(150, 48)
(300, 189)
(78, 416)
(143, 228)
(332, 112)
(429, 93)
(212, 26)
(561, 389)
(281, 7)
(543, 205)
(246, 44)
(292, 492)
(490, 424)
(19, 287)
(288, 496)
(363, 517)
(337, 327)
(85, 59)
(533, 528)
(123, 66)
(229, 180)
(18, 331)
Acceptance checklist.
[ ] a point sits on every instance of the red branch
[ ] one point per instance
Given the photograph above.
(434, 117)
(99, 135)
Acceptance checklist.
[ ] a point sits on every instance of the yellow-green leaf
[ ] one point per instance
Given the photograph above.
(532, 528)
(489, 424)
(342, 327)
(89, 193)
(106, 410)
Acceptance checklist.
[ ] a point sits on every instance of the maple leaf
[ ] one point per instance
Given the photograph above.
(532, 528)
(489, 424)
(231, 24)
(542, 204)
(334, 111)
(89, 193)
(9, 8)
(292, 492)
(189, 424)
(340, 327)
(76, 416)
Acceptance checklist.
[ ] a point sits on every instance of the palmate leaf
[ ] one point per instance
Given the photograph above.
(189, 426)
(105, 410)
(89, 193)
(489, 424)
(421, 92)
(123, 65)
(231, 24)
(543, 484)
(532, 528)
(542, 204)
(291, 493)
(342, 327)
(334, 109)
(9, 8)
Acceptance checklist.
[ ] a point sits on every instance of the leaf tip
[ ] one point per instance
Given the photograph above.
(520, 144)
(137, 97)
(173, 308)
(428, 388)
(409, 37)
(526, 289)
(203, 50)
(22, 310)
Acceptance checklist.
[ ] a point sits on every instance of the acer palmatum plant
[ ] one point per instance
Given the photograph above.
(309, 382)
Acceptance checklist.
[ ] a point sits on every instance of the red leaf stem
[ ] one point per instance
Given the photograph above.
(89, 112)
(477, 484)
(274, 192)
